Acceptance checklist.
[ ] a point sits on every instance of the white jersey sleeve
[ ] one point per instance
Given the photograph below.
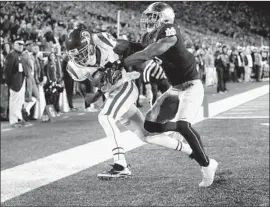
(105, 42)
(80, 73)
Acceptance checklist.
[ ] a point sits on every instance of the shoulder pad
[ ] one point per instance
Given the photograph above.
(167, 30)
(104, 39)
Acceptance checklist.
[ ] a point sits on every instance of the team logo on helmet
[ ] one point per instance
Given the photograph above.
(85, 36)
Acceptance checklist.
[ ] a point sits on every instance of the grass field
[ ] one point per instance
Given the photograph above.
(160, 177)
(168, 178)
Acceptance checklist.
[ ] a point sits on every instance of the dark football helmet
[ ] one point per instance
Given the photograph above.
(80, 47)
(156, 14)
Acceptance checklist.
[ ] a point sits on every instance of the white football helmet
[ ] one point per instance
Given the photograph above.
(156, 14)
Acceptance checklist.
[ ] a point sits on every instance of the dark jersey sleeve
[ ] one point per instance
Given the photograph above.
(168, 30)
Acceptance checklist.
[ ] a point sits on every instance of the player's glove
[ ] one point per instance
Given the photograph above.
(116, 65)
(114, 76)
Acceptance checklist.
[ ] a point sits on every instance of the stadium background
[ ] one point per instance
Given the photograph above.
(238, 138)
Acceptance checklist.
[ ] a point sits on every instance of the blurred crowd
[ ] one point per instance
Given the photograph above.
(226, 49)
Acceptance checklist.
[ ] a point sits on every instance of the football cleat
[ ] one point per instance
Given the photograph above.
(117, 171)
(209, 173)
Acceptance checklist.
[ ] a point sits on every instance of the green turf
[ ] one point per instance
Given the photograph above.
(168, 178)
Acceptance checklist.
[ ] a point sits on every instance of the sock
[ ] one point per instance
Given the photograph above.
(169, 142)
(183, 147)
(119, 156)
(113, 133)
(194, 141)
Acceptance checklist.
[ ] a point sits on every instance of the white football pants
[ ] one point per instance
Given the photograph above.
(120, 106)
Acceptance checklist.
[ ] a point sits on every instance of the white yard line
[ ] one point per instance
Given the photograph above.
(29, 176)
(81, 114)
(240, 117)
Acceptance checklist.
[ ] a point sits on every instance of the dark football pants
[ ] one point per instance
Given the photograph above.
(69, 84)
(86, 87)
(221, 85)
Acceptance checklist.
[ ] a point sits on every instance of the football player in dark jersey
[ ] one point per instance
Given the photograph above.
(186, 94)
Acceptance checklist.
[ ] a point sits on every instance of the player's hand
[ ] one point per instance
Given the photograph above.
(116, 65)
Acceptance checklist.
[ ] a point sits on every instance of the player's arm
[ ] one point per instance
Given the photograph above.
(125, 48)
(151, 51)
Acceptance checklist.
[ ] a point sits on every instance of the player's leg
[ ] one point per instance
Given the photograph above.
(116, 105)
(164, 108)
(154, 89)
(191, 101)
(85, 88)
(134, 121)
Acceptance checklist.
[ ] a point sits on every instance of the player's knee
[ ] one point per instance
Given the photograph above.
(153, 127)
(182, 126)
(142, 134)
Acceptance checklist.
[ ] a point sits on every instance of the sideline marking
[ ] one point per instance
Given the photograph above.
(29, 176)
(265, 124)
(237, 100)
(81, 114)
(5, 130)
(250, 106)
(248, 109)
(231, 113)
(240, 117)
(65, 117)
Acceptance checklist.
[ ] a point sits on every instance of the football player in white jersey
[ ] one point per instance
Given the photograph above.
(89, 58)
